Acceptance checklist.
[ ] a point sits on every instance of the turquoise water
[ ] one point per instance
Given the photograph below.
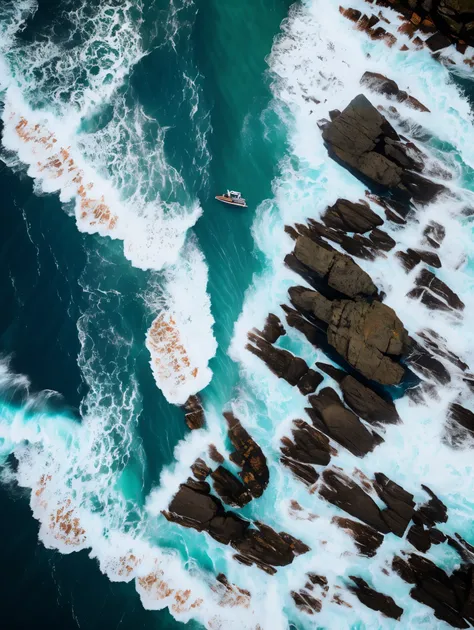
(169, 103)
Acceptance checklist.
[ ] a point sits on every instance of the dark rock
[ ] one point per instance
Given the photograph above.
(362, 140)
(430, 258)
(380, 83)
(227, 527)
(309, 382)
(306, 602)
(215, 455)
(192, 508)
(366, 538)
(341, 272)
(330, 416)
(230, 489)
(266, 548)
(375, 600)
(367, 335)
(335, 373)
(464, 418)
(334, 113)
(382, 240)
(437, 344)
(424, 362)
(341, 491)
(432, 512)
(273, 329)
(434, 293)
(304, 472)
(351, 217)
(409, 259)
(400, 504)
(200, 469)
(419, 538)
(434, 233)
(367, 404)
(281, 362)
(309, 446)
(438, 41)
(194, 413)
(248, 456)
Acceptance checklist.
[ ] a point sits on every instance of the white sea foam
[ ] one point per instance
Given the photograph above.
(180, 339)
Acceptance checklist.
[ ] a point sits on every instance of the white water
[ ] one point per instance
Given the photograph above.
(315, 40)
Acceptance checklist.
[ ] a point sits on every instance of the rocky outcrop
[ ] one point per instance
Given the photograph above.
(380, 83)
(366, 403)
(351, 217)
(273, 329)
(230, 489)
(363, 141)
(248, 456)
(375, 600)
(460, 425)
(285, 365)
(367, 336)
(200, 469)
(331, 417)
(434, 293)
(400, 504)
(452, 20)
(194, 413)
(304, 598)
(339, 271)
(281, 362)
(193, 506)
(366, 538)
(341, 491)
(308, 448)
(451, 597)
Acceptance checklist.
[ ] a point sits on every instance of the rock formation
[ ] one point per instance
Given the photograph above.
(375, 600)
(193, 506)
(194, 413)
(380, 83)
(362, 140)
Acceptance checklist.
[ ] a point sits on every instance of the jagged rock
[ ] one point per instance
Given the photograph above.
(194, 507)
(424, 362)
(334, 372)
(330, 416)
(434, 293)
(419, 537)
(267, 549)
(194, 413)
(306, 602)
(281, 362)
(437, 344)
(248, 456)
(366, 538)
(434, 233)
(351, 217)
(312, 302)
(340, 271)
(400, 504)
(409, 259)
(432, 512)
(200, 469)
(309, 382)
(365, 335)
(375, 600)
(273, 329)
(430, 258)
(215, 455)
(460, 424)
(448, 596)
(380, 83)
(304, 472)
(438, 41)
(381, 240)
(341, 491)
(364, 141)
(309, 446)
(230, 489)
(367, 404)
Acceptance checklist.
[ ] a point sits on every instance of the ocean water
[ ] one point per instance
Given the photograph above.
(120, 123)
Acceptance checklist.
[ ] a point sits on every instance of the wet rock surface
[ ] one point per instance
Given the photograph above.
(366, 538)
(193, 507)
(331, 417)
(380, 83)
(362, 140)
(375, 600)
(194, 413)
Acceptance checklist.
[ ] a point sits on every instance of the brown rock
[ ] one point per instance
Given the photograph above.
(366, 538)
(375, 600)
(351, 217)
(194, 413)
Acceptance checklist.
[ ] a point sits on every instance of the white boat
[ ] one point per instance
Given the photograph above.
(232, 198)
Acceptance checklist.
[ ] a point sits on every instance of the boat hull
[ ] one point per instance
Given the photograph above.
(229, 202)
